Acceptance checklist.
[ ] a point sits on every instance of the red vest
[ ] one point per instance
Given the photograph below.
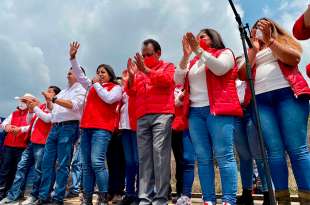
(19, 119)
(291, 74)
(154, 91)
(41, 129)
(97, 113)
(222, 91)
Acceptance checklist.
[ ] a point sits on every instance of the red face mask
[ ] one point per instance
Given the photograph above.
(151, 61)
(203, 45)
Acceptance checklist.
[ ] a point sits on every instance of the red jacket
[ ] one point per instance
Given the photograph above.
(299, 30)
(19, 119)
(222, 91)
(154, 92)
(97, 113)
(292, 75)
(132, 112)
(41, 129)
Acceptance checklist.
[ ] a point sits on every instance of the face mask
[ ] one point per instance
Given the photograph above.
(151, 61)
(22, 106)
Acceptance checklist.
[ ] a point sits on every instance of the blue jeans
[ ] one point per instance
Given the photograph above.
(59, 146)
(214, 135)
(188, 164)
(76, 170)
(129, 140)
(284, 120)
(94, 145)
(247, 146)
(32, 155)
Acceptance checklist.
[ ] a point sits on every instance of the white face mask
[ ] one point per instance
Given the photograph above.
(259, 34)
(22, 106)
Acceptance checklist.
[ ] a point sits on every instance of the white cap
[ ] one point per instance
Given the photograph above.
(26, 95)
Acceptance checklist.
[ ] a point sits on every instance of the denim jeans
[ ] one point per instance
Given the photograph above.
(76, 170)
(247, 146)
(32, 155)
(188, 164)
(94, 145)
(129, 140)
(284, 120)
(59, 146)
(212, 137)
(11, 157)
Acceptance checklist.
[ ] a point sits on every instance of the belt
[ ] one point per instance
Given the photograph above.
(70, 122)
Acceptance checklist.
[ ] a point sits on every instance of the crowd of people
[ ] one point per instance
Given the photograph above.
(117, 133)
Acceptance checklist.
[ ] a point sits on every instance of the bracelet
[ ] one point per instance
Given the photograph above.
(270, 44)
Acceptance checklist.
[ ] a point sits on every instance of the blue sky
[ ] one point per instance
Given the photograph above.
(35, 34)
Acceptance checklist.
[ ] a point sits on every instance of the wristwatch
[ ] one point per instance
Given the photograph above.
(54, 99)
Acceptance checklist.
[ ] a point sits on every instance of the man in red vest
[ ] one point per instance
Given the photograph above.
(153, 85)
(39, 118)
(15, 142)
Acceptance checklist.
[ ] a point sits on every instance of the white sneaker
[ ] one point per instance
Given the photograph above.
(208, 203)
(184, 200)
(30, 200)
(5, 200)
(225, 203)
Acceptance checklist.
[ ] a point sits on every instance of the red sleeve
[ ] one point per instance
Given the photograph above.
(163, 77)
(130, 91)
(300, 31)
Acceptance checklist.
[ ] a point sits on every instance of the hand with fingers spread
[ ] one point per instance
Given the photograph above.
(192, 41)
(265, 27)
(140, 63)
(132, 68)
(187, 50)
(74, 47)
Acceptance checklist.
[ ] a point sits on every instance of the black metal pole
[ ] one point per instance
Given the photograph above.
(245, 39)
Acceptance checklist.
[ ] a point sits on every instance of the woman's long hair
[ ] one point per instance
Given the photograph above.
(281, 35)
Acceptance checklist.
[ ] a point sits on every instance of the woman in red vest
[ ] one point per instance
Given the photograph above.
(15, 142)
(210, 93)
(97, 123)
(282, 96)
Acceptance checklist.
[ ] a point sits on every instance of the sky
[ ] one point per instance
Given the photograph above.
(35, 35)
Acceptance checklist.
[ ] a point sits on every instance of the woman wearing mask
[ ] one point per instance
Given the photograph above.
(282, 100)
(210, 88)
(97, 123)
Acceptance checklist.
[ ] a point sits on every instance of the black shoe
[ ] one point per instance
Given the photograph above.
(266, 198)
(70, 195)
(102, 199)
(87, 199)
(55, 202)
(127, 200)
(41, 202)
(246, 198)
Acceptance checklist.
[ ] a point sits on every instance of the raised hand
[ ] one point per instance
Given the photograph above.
(132, 68)
(254, 40)
(265, 27)
(33, 103)
(140, 63)
(48, 96)
(187, 50)
(192, 41)
(95, 79)
(74, 47)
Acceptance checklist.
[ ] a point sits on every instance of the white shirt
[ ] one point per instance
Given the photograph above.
(197, 75)
(8, 120)
(76, 94)
(124, 115)
(268, 73)
(110, 97)
(241, 86)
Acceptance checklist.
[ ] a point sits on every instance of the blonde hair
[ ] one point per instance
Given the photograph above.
(281, 35)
